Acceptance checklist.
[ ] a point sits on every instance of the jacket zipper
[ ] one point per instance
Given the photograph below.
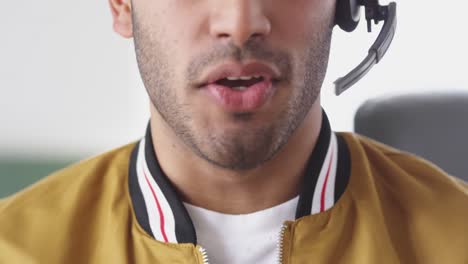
(280, 255)
(204, 255)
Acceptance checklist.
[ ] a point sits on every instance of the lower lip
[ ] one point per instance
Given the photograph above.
(247, 100)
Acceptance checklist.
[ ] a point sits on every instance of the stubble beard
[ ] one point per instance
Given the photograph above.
(232, 150)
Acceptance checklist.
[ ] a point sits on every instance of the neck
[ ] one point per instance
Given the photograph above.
(236, 192)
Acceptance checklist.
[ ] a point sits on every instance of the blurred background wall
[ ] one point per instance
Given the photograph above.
(70, 87)
(69, 84)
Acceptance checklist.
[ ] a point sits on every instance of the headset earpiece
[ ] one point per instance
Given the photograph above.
(347, 14)
(347, 17)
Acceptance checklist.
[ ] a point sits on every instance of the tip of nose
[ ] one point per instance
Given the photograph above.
(246, 24)
(239, 40)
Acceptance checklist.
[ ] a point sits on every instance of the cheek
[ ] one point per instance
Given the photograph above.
(178, 36)
(300, 18)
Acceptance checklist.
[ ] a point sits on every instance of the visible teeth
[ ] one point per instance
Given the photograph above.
(244, 78)
(239, 88)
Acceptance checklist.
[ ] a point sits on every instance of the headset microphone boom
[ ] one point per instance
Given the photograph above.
(347, 18)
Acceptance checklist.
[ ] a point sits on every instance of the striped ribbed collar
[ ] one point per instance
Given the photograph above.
(162, 214)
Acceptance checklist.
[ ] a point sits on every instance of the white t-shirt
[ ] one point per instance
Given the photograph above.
(240, 239)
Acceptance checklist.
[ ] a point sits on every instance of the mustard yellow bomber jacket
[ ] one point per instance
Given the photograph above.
(362, 202)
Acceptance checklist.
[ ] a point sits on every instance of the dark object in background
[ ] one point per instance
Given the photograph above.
(431, 125)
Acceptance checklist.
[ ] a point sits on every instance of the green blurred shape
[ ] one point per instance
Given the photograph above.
(16, 175)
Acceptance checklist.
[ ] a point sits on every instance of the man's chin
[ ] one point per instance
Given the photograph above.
(238, 155)
(236, 164)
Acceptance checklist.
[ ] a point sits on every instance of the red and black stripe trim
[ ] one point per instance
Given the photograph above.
(171, 216)
(184, 228)
(313, 169)
(344, 168)
(331, 161)
(136, 194)
(161, 213)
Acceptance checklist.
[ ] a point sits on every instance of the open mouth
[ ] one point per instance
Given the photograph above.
(241, 94)
(241, 88)
(240, 83)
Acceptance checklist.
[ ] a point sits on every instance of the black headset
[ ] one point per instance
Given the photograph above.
(347, 18)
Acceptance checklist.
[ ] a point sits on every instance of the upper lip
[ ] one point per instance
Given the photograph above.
(238, 70)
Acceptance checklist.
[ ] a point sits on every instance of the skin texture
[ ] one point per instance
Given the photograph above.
(220, 160)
